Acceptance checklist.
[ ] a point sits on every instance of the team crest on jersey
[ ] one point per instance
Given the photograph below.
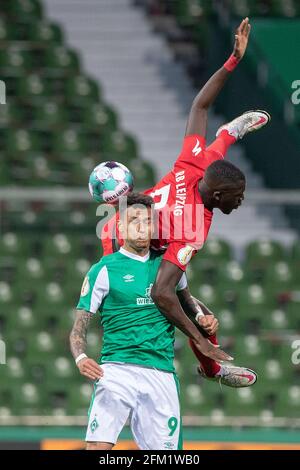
(85, 287)
(185, 254)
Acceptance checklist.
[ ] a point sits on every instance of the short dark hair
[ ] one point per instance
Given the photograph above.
(225, 172)
(136, 199)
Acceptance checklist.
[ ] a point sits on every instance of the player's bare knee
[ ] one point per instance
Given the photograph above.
(99, 446)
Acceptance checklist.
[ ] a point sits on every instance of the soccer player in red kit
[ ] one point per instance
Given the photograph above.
(184, 201)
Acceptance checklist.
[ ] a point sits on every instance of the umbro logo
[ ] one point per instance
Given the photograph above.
(197, 149)
(128, 278)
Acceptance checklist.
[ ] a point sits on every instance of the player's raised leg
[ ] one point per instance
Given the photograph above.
(229, 133)
(232, 376)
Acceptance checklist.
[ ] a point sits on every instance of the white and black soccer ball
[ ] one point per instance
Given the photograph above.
(109, 181)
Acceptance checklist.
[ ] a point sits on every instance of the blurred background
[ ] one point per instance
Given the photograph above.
(96, 80)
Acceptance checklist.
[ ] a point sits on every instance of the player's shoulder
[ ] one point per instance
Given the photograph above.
(109, 259)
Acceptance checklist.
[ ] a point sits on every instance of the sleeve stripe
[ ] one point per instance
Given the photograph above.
(182, 284)
(100, 290)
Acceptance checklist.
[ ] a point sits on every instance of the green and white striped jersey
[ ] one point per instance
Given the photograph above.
(134, 330)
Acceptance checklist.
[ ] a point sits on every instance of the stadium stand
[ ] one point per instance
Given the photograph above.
(56, 126)
(54, 129)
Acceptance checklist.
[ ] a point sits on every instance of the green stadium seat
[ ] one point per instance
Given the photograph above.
(68, 144)
(231, 274)
(66, 319)
(24, 320)
(99, 116)
(94, 341)
(6, 295)
(27, 399)
(77, 269)
(79, 399)
(229, 322)
(20, 141)
(248, 349)
(52, 294)
(144, 174)
(30, 269)
(81, 89)
(254, 301)
(242, 402)
(49, 114)
(62, 369)
(6, 31)
(118, 145)
(15, 371)
(43, 31)
(288, 404)
(60, 57)
(279, 276)
(264, 251)
(208, 295)
(41, 345)
(31, 87)
(276, 320)
(11, 115)
(60, 245)
(215, 249)
(14, 57)
(24, 9)
(14, 244)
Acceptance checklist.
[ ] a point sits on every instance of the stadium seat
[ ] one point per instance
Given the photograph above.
(99, 116)
(14, 244)
(241, 402)
(49, 114)
(24, 9)
(32, 87)
(60, 57)
(11, 115)
(80, 89)
(42, 31)
(79, 399)
(20, 141)
(288, 404)
(69, 144)
(15, 58)
(6, 30)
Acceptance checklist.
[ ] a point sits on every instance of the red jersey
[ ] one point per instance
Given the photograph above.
(182, 221)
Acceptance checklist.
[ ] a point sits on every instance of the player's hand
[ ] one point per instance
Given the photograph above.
(241, 39)
(90, 369)
(212, 351)
(209, 324)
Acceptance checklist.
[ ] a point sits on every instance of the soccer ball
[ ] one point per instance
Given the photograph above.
(109, 181)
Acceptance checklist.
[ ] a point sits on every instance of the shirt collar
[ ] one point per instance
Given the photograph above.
(142, 259)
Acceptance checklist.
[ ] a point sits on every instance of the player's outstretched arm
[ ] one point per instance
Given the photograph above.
(197, 120)
(87, 367)
(164, 295)
(198, 312)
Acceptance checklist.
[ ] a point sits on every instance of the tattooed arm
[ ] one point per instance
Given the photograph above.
(87, 367)
(193, 306)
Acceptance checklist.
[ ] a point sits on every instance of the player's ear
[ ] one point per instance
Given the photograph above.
(217, 195)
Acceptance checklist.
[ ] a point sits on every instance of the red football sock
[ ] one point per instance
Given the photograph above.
(210, 367)
(222, 143)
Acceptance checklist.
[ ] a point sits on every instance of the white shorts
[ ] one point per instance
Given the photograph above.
(148, 397)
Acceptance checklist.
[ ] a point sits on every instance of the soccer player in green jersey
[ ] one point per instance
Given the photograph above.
(135, 378)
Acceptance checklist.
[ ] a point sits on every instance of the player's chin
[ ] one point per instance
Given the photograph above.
(227, 210)
(142, 243)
